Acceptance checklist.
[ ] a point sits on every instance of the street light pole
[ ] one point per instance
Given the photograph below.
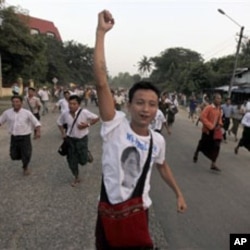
(1, 82)
(237, 51)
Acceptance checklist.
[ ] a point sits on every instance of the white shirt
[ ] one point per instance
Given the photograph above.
(22, 122)
(44, 94)
(246, 119)
(32, 104)
(85, 116)
(119, 99)
(63, 104)
(157, 122)
(121, 170)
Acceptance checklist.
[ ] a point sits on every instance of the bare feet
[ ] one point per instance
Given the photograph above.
(26, 172)
(215, 168)
(75, 182)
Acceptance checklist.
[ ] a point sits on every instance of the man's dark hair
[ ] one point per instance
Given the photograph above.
(66, 92)
(142, 85)
(17, 97)
(75, 97)
(31, 88)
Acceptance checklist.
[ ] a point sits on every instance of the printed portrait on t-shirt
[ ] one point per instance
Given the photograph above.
(131, 166)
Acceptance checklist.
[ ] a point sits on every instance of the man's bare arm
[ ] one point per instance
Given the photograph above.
(105, 99)
(168, 177)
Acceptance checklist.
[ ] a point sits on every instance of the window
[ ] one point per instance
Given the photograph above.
(34, 32)
(50, 34)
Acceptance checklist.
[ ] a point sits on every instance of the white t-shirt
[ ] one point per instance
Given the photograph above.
(119, 99)
(63, 104)
(44, 94)
(124, 155)
(246, 119)
(84, 117)
(157, 122)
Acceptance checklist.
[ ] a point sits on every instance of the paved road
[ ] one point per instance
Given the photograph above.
(42, 211)
(218, 204)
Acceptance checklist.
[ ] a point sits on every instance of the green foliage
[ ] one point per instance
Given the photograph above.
(124, 80)
(40, 57)
(173, 69)
(79, 60)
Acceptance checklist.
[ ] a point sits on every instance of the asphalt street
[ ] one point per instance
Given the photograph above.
(218, 203)
(42, 211)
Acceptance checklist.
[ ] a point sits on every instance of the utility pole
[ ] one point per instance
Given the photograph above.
(235, 62)
(237, 51)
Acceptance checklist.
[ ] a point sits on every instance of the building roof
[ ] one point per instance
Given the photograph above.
(41, 25)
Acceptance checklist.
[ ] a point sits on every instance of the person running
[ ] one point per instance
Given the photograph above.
(237, 115)
(172, 110)
(245, 139)
(211, 118)
(119, 134)
(44, 95)
(192, 108)
(33, 103)
(119, 100)
(227, 109)
(158, 122)
(63, 104)
(20, 123)
(77, 135)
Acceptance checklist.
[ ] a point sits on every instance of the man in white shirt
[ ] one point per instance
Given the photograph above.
(158, 122)
(77, 135)
(33, 103)
(21, 123)
(63, 104)
(119, 100)
(44, 95)
(119, 134)
(245, 139)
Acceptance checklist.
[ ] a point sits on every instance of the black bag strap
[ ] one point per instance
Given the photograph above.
(75, 120)
(27, 100)
(141, 182)
(138, 191)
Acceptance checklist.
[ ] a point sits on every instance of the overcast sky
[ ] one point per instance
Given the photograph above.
(147, 27)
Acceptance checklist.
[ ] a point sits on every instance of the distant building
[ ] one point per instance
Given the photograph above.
(242, 77)
(40, 26)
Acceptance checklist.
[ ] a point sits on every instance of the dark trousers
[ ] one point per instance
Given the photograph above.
(208, 146)
(21, 149)
(245, 139)
(37, 115)
(77, 153)
(226, 124)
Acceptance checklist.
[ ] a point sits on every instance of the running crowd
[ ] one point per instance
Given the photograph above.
(130, 147)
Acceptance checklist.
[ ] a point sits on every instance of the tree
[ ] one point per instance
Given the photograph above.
(244, 58)
(171, 64)
(19, 50)
(124, 80)
(145, 65)
(79, 60)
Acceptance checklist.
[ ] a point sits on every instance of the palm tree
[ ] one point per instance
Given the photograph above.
(145, 66)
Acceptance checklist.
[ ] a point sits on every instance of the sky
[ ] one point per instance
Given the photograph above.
(147, 28)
